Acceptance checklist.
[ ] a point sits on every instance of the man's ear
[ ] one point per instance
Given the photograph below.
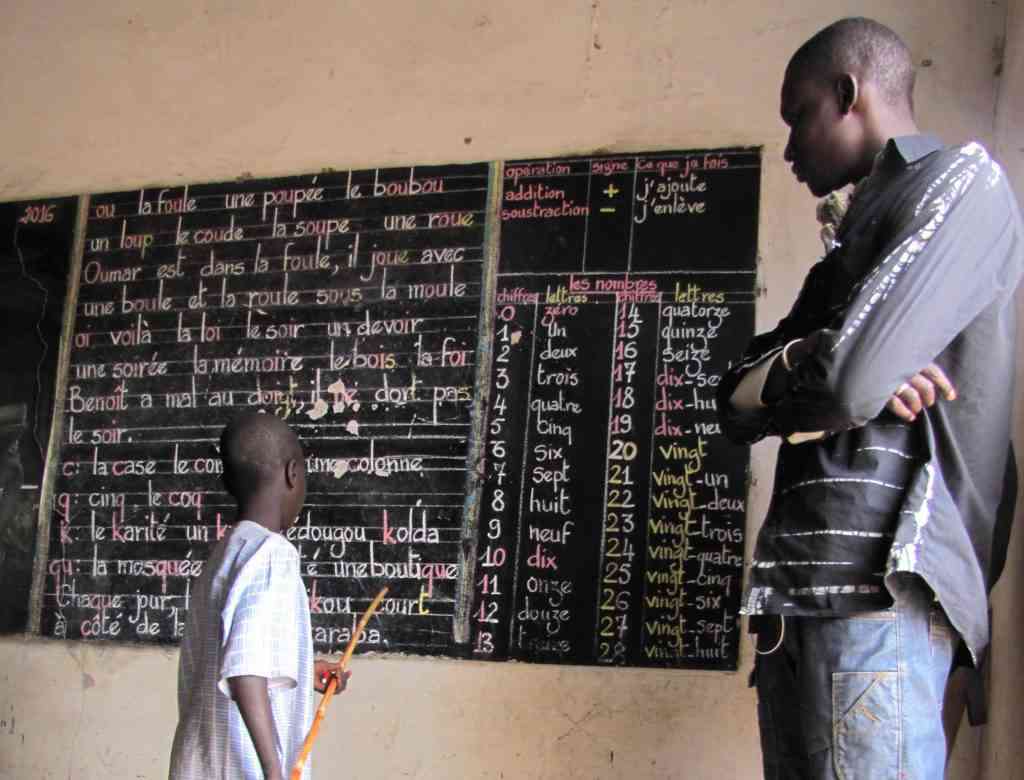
(847, 92)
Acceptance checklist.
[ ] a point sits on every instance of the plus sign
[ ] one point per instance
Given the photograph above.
(610, 191)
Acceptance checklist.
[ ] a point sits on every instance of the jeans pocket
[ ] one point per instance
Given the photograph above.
(865, 725)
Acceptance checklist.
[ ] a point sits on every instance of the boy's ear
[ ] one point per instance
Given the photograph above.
(291, 473)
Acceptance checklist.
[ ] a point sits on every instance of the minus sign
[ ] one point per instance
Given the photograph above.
(607, 211)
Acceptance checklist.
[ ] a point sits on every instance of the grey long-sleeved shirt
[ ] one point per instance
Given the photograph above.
(929, 255)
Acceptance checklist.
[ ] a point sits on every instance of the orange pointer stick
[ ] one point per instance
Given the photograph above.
(307, 746)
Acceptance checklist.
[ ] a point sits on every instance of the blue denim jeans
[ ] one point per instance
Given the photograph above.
(857, 697)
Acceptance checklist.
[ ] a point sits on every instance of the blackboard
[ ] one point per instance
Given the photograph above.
(419, 327)
(346, 303)
(35, 254)
(613, 509)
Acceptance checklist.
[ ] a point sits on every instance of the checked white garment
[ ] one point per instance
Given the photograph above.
(249, 615)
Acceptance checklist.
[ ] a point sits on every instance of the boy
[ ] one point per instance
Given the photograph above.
(246, 667)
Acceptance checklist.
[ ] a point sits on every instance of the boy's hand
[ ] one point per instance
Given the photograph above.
(323, 671)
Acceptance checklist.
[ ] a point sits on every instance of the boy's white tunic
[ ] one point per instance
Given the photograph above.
(249, 615)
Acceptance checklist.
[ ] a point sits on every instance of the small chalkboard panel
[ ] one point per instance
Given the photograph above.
(538, 476)
(35, 253)
(346, 303)
(613, 510)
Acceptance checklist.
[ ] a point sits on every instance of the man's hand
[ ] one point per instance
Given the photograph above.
(798, 351)
(921, 392)
(323, 671)
(795, 353)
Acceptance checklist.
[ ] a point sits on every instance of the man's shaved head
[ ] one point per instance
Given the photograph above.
(869, 50)
(255, 448)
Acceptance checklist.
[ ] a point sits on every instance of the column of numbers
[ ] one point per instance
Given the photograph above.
(494, 557)
(617, 553)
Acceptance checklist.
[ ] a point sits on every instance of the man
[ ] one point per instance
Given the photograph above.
(890, 381)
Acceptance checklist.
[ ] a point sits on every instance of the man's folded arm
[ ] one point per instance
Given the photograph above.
(744, 416)
(950, 260)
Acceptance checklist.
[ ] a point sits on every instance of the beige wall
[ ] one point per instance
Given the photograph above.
(1000, 741)
(127, 94)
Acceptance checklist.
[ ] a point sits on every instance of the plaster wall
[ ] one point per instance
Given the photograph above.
(127, 94)
(998, 742)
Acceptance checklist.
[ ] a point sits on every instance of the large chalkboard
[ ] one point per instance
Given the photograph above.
(502, 375)
(35, 253)
(346, 303)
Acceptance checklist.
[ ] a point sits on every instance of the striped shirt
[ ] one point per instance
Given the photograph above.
(249, 616)
(928, 257)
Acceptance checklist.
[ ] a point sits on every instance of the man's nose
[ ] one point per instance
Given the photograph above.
(787, 153)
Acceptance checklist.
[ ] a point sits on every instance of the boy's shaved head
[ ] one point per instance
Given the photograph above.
(865, 48)
(254, 448)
